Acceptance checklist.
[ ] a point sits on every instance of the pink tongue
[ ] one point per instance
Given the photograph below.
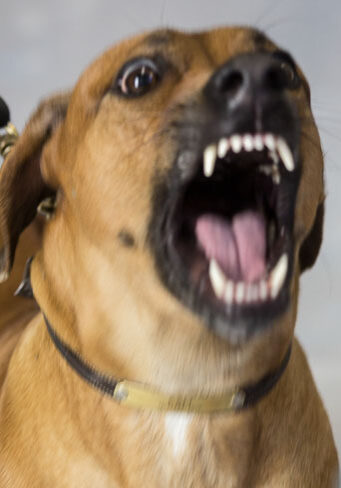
(238, 247)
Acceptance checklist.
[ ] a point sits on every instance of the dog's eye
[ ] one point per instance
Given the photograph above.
(138, 78)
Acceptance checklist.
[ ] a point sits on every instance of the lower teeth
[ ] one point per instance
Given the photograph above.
(241, 292)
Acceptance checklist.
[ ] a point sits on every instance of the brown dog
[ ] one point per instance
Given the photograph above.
(188, 178)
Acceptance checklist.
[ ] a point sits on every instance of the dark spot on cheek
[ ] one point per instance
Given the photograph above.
(126, 238)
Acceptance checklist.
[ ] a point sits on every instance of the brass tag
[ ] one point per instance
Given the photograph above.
(135, 395)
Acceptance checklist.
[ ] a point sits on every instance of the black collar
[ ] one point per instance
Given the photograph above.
(141, 396)
(243, 398)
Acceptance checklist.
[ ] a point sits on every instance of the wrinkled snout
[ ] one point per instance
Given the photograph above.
(253, 89)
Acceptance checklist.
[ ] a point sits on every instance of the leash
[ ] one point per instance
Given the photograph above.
(138, 395)
(8, 132)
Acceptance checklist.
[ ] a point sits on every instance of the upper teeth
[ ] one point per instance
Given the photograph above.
(277, 147)
(210, 155)
(223, 147)
(236, 143)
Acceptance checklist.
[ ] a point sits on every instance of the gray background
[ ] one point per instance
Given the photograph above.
(44, 45)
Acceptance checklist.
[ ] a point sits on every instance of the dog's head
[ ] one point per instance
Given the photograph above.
(187, 170)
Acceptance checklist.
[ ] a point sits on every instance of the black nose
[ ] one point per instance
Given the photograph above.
(251, 75)
(250, 93)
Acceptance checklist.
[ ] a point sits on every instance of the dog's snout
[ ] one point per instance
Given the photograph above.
(250, 75)
(251, 92)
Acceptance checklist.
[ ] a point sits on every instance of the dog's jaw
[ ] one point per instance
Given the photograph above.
(225, 188)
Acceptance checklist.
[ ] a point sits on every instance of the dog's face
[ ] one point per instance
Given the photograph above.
(189, 169)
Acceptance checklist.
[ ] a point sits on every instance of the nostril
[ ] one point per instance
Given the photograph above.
(279, 76)
(241, 78)
(231, 82)
(275, 79)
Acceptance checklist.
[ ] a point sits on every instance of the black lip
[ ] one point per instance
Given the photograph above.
(235, 323)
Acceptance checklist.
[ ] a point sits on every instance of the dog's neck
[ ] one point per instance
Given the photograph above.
(132, 339)
(138, 395)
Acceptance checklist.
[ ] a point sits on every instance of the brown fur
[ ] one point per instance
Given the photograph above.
(106, 300)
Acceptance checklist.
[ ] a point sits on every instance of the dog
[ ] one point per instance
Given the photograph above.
(186, 179)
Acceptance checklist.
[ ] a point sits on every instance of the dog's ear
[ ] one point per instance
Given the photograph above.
(21, 183)
(311, 245)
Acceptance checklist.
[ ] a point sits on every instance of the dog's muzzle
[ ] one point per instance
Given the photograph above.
(223, 221)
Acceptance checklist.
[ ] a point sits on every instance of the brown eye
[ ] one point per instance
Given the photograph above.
(138, 78)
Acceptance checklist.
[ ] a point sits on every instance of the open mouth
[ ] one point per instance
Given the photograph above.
(242, 237)
(229, 230)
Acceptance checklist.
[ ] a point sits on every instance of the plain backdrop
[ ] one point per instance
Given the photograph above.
(44, 45)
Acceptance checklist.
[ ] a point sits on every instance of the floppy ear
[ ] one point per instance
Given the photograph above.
(21, 183)
(311, 245)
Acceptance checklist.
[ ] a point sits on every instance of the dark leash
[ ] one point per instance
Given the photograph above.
(4, 113)
(8, 132)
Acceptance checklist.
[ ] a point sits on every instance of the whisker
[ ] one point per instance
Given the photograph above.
(163, 10)
(279, 22)
(267, 11)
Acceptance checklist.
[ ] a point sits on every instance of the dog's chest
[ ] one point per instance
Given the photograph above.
(177, 426)
(195, 453)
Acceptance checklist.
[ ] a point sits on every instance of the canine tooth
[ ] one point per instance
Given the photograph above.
(278, 275)
(276, 176)
(270, 142)
(285, 154)
(240, 292)
(266, 169)
(210, 155)
(248, 142)
(223, 147)
(236, 143)
(217, 278)
(258, 142)
(263, 290)
(229, 292)
(274, 156)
